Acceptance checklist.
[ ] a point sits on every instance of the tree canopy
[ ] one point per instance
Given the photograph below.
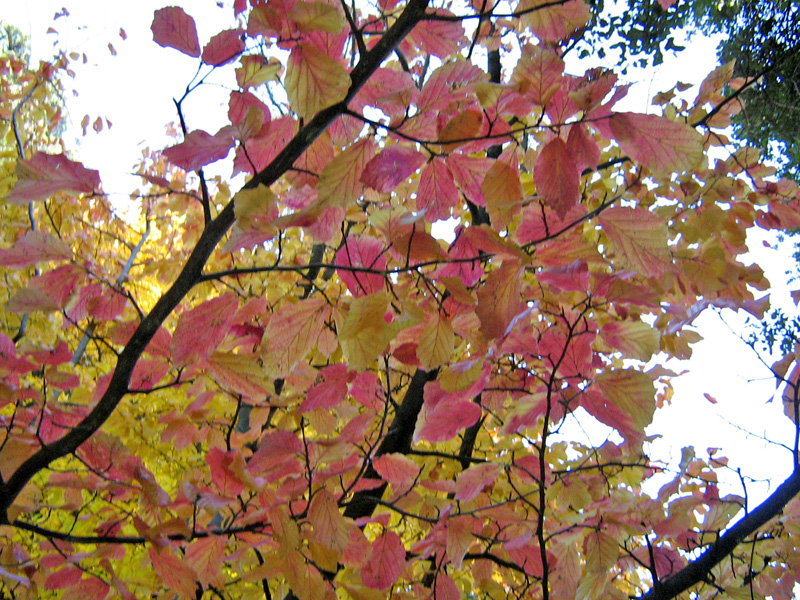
(760, 37)
(293, 389)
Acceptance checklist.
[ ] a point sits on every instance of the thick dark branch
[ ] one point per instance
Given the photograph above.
(398, 439)
(697, 570)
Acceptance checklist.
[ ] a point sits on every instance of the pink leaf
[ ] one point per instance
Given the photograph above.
(445, 588)
(43, 175)
(365, 252)
(444, 422)
(437, 192)
(393, 165)
(57, 356)
(199, 149)
(202, 329)
(573, 277)
(582, 147)
(557, 176)
(386, 562)
(223, 47)
(660, 144)
(397, 469)
(471, 482)
(34, 247)
(329, 390)
(173, 28)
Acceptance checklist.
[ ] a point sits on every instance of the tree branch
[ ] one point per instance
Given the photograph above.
(697, 570)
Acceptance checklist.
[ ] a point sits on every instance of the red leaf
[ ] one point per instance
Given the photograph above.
(557, 176)
(223, 47)
(445, 588)
(392, 166)
(56, 356)
(173, 28)
(386, 562)
(65, 577)
(43, 175)
(202, 329)
(223, 466)
(108, 306)
(365, 252)
(34, 247)
(199, 149)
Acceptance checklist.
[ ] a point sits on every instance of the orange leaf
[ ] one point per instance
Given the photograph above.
(175, 573)
(471, 482)
(330, 527)
(290, 335)
(340, 181)
(397, 469)
(499, 301)
(638, 239)
(204, 556)
(502, 189)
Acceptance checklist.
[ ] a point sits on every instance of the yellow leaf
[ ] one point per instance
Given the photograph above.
(314, 80)
(316, 16)
(503, 191)
(330, 527)
(601, 551)
(340, 181)
(291, 334)
(635, 339)
(255, 70)
(436, 342)
(363, 332)
(632, 392)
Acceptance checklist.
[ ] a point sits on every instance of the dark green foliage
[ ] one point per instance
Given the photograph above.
(762, 36)
(765, 40)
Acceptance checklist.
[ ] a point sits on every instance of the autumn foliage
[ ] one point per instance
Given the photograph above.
(296, 390)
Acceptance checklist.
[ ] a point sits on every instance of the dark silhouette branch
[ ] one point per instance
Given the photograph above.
(697, 570)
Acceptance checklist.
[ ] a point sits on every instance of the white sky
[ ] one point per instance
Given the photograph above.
(134, 90)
